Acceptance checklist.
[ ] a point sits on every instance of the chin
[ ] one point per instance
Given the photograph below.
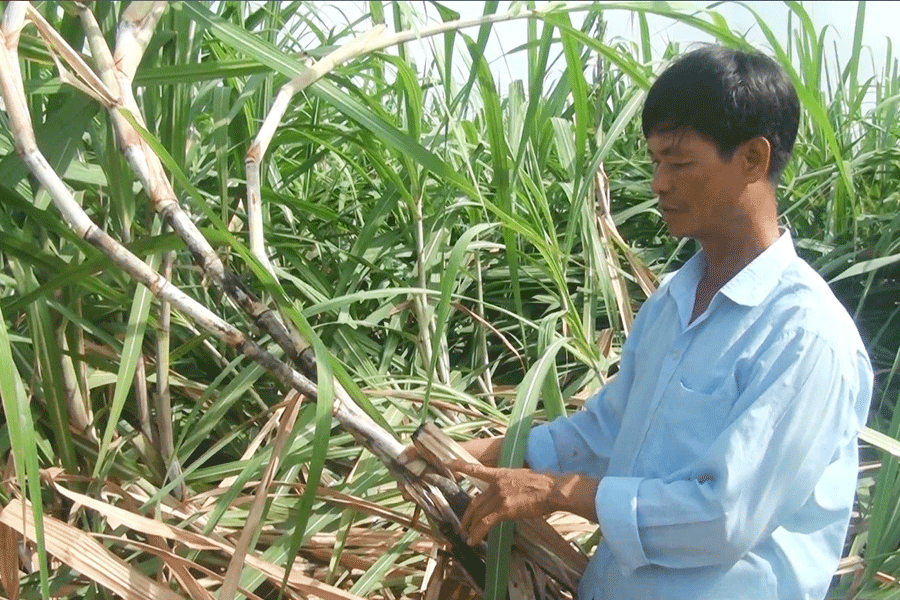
(675, 232)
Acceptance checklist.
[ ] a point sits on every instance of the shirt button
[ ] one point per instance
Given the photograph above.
(674, 355)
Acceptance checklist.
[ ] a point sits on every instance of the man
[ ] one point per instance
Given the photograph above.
(720, 462)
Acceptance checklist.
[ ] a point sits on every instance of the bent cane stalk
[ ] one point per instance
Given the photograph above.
(351, 417)
(117, 73)
(113, 88)
(257, 151)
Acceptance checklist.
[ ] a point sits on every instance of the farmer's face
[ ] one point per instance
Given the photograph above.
(699, 191)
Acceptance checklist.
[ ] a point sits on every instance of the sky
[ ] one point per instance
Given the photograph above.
(840, 18)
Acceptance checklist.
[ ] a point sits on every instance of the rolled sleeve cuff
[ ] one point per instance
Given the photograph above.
(541, 452)
(616, 504)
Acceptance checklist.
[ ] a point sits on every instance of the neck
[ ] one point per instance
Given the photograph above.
(727, 255)
(753, 228)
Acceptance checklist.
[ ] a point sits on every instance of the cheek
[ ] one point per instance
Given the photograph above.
(702, 188)
(719, 187)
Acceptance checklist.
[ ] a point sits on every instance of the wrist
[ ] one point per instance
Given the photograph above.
(575, 494)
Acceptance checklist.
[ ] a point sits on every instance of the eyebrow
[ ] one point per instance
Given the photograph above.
(669, 150)
(665, 151)
(672, 147)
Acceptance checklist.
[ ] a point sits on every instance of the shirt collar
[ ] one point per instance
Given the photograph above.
(755, 281)
(749, 287)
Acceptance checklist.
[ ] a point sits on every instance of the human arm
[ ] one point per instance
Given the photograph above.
(485, 450)
(565, 460)
(582, 442)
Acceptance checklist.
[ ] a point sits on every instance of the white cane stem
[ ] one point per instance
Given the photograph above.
(378, 441)
(151, 173)
(367, 43)
(113, 87)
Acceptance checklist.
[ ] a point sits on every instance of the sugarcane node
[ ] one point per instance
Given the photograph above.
(306, 361)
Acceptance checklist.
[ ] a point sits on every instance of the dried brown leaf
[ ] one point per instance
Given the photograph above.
(180, 567)
(9, 561)
(86, 555)
(254, 518)
(142, 524)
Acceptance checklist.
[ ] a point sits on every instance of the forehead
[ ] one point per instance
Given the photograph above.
(678, 142)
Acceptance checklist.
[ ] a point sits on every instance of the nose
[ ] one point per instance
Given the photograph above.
(661, 183)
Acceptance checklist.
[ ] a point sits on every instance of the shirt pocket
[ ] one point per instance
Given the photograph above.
(692, 420)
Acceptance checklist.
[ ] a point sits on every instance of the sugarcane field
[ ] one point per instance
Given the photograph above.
(449, 300)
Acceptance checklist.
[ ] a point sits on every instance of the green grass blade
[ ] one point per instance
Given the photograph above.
(442, 314)
(323, 419)
(371, 579)
(48, 360)
(512, 455)
(20, 425)
(131, 353)
(578, 85)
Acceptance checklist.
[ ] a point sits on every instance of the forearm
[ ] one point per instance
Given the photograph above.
(486, 450)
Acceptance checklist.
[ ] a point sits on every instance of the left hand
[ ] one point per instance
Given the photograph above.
(522, 494)
(511, 494)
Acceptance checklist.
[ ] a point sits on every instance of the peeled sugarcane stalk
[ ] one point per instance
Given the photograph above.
(437, 495)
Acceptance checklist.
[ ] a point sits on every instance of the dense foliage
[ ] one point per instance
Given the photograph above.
(446, 239)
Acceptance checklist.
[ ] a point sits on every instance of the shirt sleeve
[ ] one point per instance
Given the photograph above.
(582, 442)
(802, 405)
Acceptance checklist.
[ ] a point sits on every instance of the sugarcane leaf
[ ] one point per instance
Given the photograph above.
(20, 426)
(512, 455)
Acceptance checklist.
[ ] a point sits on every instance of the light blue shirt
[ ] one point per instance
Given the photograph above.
(727, 447)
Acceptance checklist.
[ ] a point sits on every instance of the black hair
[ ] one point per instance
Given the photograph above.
(727, 96)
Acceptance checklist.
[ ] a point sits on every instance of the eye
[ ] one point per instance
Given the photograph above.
(680, 165)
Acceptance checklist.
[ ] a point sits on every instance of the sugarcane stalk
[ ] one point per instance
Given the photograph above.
(116, 72)
(163, 398)
(363, 428)
(81, 224)
(439, 495)
(352, 418)
(372, 41)
(257, 150)
(78, 407)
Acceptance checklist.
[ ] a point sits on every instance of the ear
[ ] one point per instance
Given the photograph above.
(756, 156)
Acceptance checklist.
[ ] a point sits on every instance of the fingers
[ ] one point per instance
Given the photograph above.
(487, 509)
(486, 474)
(480, 506)
(510, 494)
(483, 513)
